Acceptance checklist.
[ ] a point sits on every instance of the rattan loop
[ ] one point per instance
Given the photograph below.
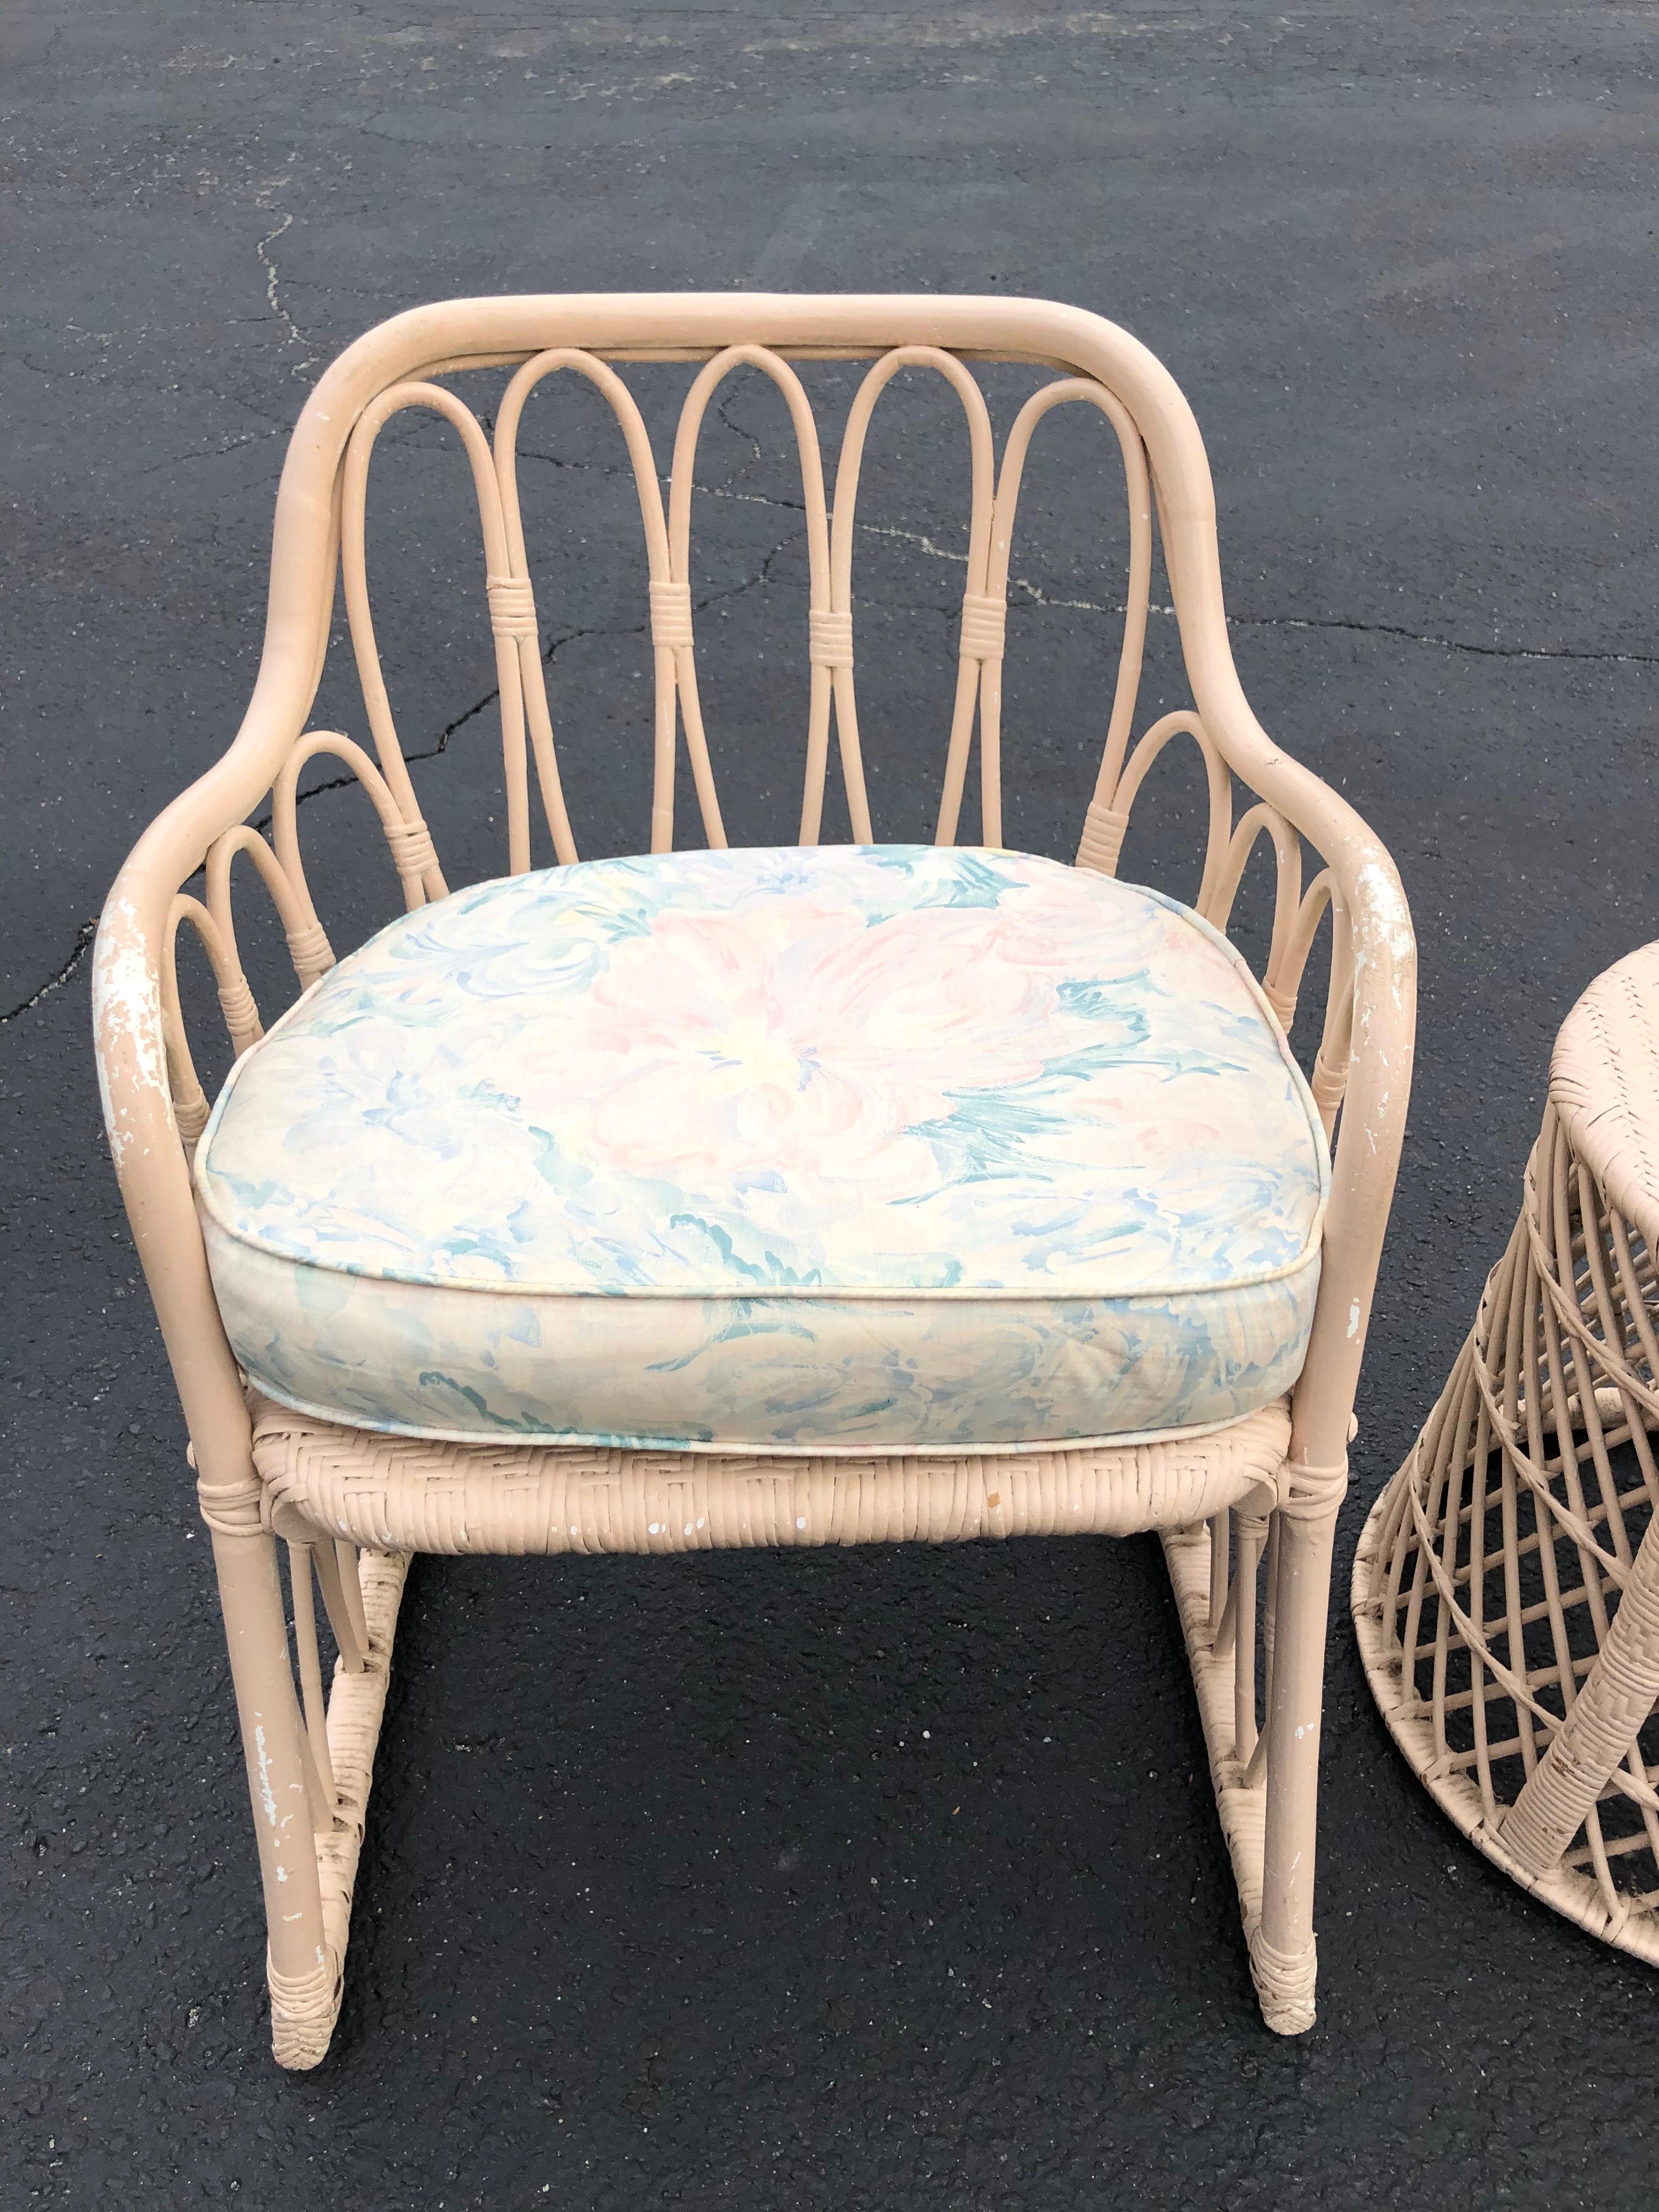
(671, 614)
(411, 848)
(191, 1113)
(231, 1509)
(309, 949)
(829, 638)
(1329, 1082)
(1312, 1493)
(1284, 1009)
(236, 1003)
(309, 1996)
(512, 607)
(1285, 1980)
(1101, 841)
(303, 2010)
(984, 626)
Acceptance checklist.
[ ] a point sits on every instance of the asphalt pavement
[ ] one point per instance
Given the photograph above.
(884, 1879)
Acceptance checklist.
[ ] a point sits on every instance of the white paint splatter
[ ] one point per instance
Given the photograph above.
(267, 1794)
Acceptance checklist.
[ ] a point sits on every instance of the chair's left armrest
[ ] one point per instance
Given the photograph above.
(1377, 1022)
(1366, 1158)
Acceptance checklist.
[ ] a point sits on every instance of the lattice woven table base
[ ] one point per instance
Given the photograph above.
(1506, 1589)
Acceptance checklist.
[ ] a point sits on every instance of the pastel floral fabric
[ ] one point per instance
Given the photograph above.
(870, 1148)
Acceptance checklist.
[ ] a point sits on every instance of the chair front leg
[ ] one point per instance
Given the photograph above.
(304, 1977)
(1283, 1958)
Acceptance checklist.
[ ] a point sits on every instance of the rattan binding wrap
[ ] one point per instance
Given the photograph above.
(1523, 1693)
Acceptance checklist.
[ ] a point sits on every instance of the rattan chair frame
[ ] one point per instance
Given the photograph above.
(351, 1505)
(1519, 1688)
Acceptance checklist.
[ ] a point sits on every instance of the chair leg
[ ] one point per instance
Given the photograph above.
(1267, 1788)
(1283, 1958)
(310, 1800)
(304, 1973)
(1209, 1605)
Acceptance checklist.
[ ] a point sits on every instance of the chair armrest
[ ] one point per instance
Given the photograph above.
(1381, 1033)
(136, 1086)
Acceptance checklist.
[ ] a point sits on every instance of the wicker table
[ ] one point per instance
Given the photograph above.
(1523, 1692)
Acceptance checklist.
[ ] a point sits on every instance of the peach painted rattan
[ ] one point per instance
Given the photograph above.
(353, 1505)
(1506, 1590)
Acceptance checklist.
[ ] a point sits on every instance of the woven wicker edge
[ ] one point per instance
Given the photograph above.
(391, 1493)
(1574, 1896)
(1602, 1082)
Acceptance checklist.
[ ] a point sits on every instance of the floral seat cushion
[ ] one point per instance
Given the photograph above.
(861, 1148)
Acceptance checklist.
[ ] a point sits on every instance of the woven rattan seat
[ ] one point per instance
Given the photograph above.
(449, 1268)
(1506, 1589)
(404, 1494)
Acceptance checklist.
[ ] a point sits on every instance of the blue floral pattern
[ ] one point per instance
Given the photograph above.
(855, 1147)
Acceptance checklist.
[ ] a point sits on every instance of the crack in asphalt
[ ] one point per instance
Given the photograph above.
(1034, 594)
(435, 751)
(292, 333)
(84, 938)
(214, 452)
(736, 429)
(87, 930)
(1445, 644)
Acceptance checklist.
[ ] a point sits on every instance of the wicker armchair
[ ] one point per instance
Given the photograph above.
(807, 1195)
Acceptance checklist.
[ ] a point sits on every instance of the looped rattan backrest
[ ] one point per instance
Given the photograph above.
(611, 344)
(527, 723)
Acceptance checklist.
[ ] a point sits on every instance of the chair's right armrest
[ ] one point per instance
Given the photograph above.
(135, 1085)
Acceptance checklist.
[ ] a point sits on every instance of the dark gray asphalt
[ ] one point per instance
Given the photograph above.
(664, 1899)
